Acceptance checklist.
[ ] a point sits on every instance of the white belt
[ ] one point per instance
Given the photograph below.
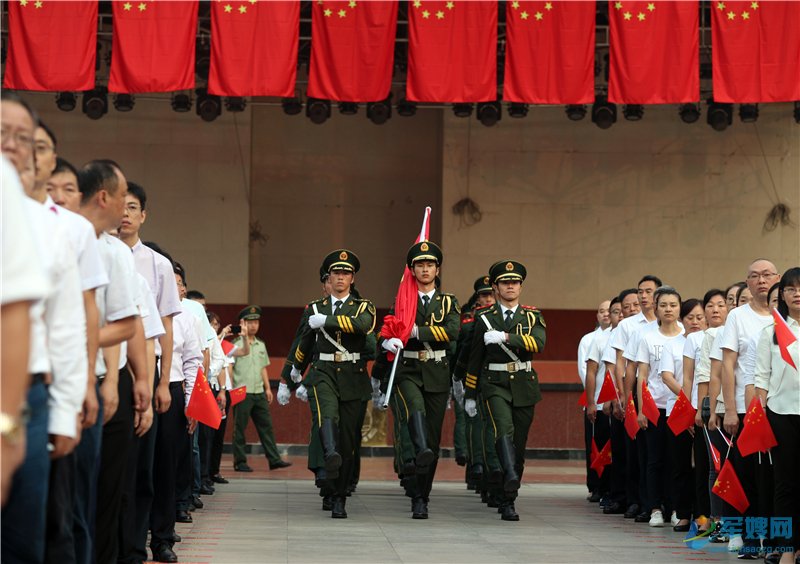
(425, 356)
(340, 357)
(510, 367)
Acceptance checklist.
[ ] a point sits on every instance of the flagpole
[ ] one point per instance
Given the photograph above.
(391, 379)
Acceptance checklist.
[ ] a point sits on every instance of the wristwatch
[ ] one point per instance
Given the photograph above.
(11, 428)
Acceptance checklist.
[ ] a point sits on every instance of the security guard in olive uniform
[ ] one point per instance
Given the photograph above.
(422, 380)
(506, 336)
(338, 383)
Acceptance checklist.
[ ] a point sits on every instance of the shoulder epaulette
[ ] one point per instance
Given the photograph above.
(481, 308)
(467, 319)
(530, 308)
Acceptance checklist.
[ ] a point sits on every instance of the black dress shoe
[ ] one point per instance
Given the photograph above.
(164, 554)
(327, 503)
(605, 502)
(243, 467)
(183, 517)
(419, 509)
(338, 512)
(642, 517)
(461, 460)
(508, 512)
(279, 464)
(632, 511)
(206, 490)
(681, 528)
(613, 509)
(218, 479)
(594, 498)
(176, 538)
(197, 502)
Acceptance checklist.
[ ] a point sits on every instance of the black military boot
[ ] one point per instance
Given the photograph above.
(338, 512)
(508, 513)
(419, 438)
(419, 509)
(333, 460)
(507, 455)
(320, 477)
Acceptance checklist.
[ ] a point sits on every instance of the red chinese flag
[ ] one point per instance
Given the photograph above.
(51, 45)
(608, 392)
(602, 459)
(582, 399)
(153, 46)
(227, 347)
(785, 336)
(254, 48)
(593, 453)
(715, 457)
(729, 488)
(202, 403)
(238, 395)
(452, 51)
(549, 52)
(649, 407)
(631, 424)
(755, 51)
(654, 52)
(757, 435)
(682, 415)
(352, 50)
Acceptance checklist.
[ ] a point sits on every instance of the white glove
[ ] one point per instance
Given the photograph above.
(471, 407)
(376, 385)
(494, 337)
(458, 391)
(284, 394)
(296, 375)
(316, 321)
(449, 403)
(414, 331)
(301, 393)
(378, 401)
(392, 345)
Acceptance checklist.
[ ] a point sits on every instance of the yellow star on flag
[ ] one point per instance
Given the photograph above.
(618, 5)
(450, 5)
(417, 3)
(352, 3)
(23, 3)
(651, 6)
(716, 484)
(242, 9)
(439, 15)
(745, 16)
(539, 16)
(253, 1)
(641, 17)
(731, 16)
(720, 6)
(327, 12)
(627, 16)
(38, 3)
(754, 5)
(426, 14)
(548, 6)
(524, 15)
(342, 13)
(127, 6)
(515, 4)
(142, 6)
(228, 8)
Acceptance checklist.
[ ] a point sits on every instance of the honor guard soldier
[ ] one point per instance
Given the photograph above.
(338, 382)
(506, 336)
(422, 379)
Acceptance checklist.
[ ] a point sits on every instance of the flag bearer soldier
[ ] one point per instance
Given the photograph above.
(423, 373)
(506, 336)
(338, 383)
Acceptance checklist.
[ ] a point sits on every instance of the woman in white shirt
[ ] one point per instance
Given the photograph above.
(777, 385)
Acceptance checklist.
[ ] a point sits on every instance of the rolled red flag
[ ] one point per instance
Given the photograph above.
(238, 395)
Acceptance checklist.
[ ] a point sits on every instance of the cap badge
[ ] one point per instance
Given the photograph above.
(252, 309)
(343, 256)
(509, 266)
(424, 247)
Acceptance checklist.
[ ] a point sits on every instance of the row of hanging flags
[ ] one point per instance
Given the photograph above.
(452, 49)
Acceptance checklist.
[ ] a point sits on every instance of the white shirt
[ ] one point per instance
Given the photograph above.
(624, 330)
(777, 376)
(609, 353)
(160, 277)
(584, 348)
(421, 294)
(632, 347)
(199, 312)
(652, 346)
(187, 356)
(672, 361)
(343, 299)
(216, 360)
(691, 349)
(599, 343)
(702, 367)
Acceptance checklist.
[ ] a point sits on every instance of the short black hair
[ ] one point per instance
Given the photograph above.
(195, 295)
(96, 176)
(211, 316)
(138, 192)
(49, 132)
(666, 291)
(614, 300)
(714, 292)
(63, 165)
(688, 306)
(650, 278)
(625, 293)
(790, 278)
(11, 96)
(737, 285)
(110, 162)
(178, 269)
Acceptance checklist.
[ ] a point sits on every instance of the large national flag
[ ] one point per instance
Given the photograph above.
(352, 51)
(785, 338)
(654, 52)
(452, 51)
(630, 422)
(755, 51)
(51, 45)
(254, 48)
(682, 416)
(549, 52)
(729, 488)
(153, 47)
(202, 403)
(756, 435)
(649, 407)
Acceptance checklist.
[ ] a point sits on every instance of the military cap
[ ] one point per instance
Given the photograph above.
(482, 284)
(424, 250)
(507, 270)
(323, 274)
(250, 312)
(341, 259)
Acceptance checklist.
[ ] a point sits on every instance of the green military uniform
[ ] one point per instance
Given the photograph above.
(338, 382)
(247, 372)
(509, 386)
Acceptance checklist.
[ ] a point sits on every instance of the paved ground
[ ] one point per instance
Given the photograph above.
(273, 519)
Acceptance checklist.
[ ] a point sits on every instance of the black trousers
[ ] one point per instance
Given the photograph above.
(215, 458)
(591, 475)
(745, 467)
(171, 435)
(632, 474)
(206, 442)
(787, 488)
(617, 470)
(702, 498)
(716, 458)
(682, 480)
(658, 465)
(116, 446)
(59, 536)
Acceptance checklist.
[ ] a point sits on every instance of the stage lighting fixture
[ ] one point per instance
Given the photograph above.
(235, 103)
(517, 110)
(748, 113)
(379, 112)
(604, 114)
(406, 108)
(95, 102)
(489, 113)
(123, 102)
(633, 112)
(318, 111)
(208, 106)
(462, 110)
(181, 102)
(720, 116)
(66, 101)
(576, 112)
(291, 106)
(689, 113)
(348, 108)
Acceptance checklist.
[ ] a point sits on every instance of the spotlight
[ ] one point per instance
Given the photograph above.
(748, 113)
(797, 112)
(66, 101)
(181, 102)
(604, 114)
(489, 113)
(95, 102)
(123, 102)
(235, 103)
(517, 110)
(633, 112)
(348, 108)
(720, 116)
(462, 110)
(318, 111)
(291, 106)
(208, 106)
(689, 113)
(379, 112)
(576, 112)
(406, 108)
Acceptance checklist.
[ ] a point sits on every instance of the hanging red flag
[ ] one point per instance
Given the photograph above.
(755, 51)
(729, 488)
(51, 45)
(227, 347)
(631, 423)
(756, 435)
(608, 392)
(653, 52)
(785, 338)
(202, 403)
(254, 48)
(238, 395)
(153, 46)
(649, 407)
(549, 52)
(582, 399)
(682, 415)
(715, 457)
(594, 451)
(602, 459)
(352, 53)
(452, 51)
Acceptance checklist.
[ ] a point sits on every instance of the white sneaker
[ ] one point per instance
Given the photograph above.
(674, 519)
(735, 543)
(656, 519)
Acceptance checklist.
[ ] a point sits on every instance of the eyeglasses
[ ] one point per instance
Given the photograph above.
(42, 147)
(753, 276)
(133, 208)
(20, 137)
(790, 290)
